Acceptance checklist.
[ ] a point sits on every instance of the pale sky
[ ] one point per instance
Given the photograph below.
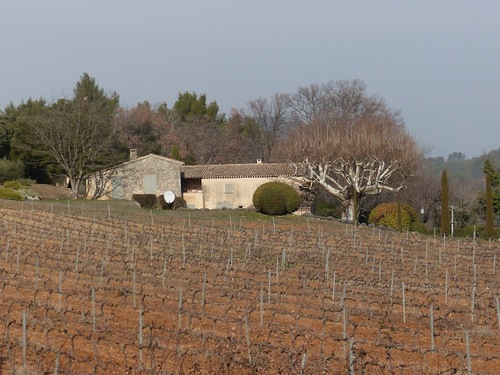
(438, 62)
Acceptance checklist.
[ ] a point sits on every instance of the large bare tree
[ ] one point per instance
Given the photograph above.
(355, 147)
(76, 134)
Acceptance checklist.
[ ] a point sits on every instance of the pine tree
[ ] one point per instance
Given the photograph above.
(489, 230)
(445, 208)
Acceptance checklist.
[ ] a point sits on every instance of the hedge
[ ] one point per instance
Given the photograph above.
(145, 200)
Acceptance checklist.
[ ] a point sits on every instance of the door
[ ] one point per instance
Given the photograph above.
(150, 184)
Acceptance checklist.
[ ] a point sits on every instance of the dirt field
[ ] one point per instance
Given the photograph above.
(112, 289)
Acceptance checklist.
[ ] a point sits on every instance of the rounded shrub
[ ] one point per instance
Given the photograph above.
(288, 194)
(386, 214)
(272, 202)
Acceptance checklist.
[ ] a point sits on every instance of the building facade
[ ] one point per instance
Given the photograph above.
(150, 174)
(229, 185)
(201, 186)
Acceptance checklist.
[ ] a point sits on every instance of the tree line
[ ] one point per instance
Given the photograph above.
(341, 140)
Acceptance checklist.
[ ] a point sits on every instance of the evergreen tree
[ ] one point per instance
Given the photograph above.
(445, 208)
(489, 230)
(175, 152)
(191, 105)
(494, 174)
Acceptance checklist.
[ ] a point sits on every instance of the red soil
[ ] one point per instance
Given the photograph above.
(49, 266)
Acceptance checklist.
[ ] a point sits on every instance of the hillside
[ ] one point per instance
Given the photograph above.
(463, 170)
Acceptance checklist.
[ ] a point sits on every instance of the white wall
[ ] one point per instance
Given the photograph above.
(226, 192)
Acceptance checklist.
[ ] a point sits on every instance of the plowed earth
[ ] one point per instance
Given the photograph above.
(82, 295)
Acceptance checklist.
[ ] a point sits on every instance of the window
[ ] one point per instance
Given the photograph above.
(228, 188)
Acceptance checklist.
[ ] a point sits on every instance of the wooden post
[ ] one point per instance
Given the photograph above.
(404, 301)
(432, 326)
(24, 341)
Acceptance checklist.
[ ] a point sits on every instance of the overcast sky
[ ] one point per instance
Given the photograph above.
(438, 62)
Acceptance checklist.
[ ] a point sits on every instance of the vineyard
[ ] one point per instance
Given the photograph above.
(106, 292)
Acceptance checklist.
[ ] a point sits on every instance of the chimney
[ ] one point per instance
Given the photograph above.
(259, 161)
(133, 154)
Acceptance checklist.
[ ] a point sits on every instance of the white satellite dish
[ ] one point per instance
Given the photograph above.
(169, 196)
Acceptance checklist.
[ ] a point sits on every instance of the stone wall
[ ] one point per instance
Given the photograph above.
(150, 174)
(133, 176)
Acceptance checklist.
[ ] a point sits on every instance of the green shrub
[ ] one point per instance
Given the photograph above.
(145, 200)
(419, 227)
(326, 208)
(26, 181)
(468, 231)
(289, 194)
(10, 170)
(178, 202)
(272, 202)
(386, 214)
(14, 185)
(10, 194)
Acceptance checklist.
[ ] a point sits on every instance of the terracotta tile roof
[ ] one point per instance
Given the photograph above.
(238, 170)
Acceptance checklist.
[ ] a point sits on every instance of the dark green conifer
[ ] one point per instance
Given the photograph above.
(489, 230)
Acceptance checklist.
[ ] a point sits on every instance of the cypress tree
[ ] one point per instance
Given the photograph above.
(445, 207)
(489, 230)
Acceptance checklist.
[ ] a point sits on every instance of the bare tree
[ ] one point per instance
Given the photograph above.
(334, 99)
(357, 147)
(76, 134)
(308, 102)
(271, 117)
(100, 183)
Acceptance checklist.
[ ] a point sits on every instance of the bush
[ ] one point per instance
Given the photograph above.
(325, 209)
(10, 194)
(420, 228)
(145, 200)
(178, 202)
(26, 181)
(10, 170)
(386, 214)
(272, 202)
(468, 231)
(14, 185)
(289, 194)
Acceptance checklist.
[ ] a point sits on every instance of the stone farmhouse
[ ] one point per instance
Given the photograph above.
(201, 186)
(150, 174)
